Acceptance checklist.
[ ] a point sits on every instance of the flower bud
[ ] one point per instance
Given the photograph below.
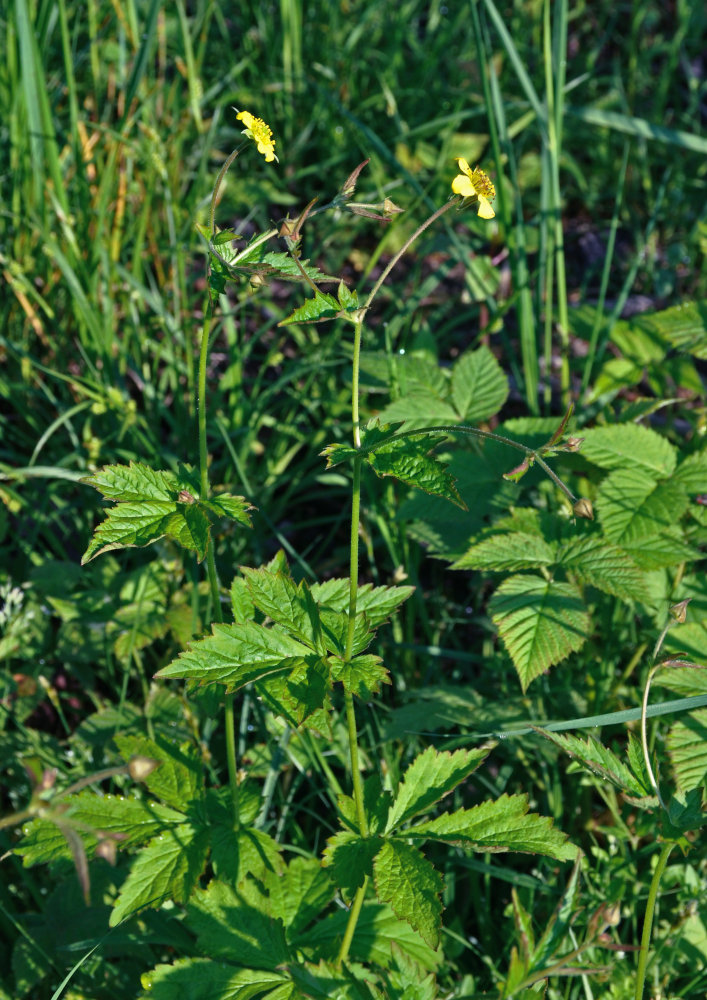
(583, 508)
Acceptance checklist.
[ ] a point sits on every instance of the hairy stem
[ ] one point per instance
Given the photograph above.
(648, 919)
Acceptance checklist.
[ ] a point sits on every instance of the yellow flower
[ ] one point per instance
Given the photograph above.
(260, 133)
(475, 184)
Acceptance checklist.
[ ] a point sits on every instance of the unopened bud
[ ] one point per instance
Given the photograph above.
(573, 443)
(108, 850)
(141, 767)
(612, 915)
(679, 611)
(583, 508)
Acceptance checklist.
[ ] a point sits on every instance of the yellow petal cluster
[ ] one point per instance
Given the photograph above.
(475, 184)
(260, 133)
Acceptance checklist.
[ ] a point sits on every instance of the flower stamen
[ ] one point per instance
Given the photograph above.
(475, 184)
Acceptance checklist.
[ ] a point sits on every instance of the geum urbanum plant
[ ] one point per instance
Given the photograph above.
(365, 919)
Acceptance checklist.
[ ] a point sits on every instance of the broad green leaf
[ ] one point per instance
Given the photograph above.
(300, 893)
(237, 853)
(630, 447)
(287, 603)
(178, 780)
(540, 622)
(241, 601)
(235, 655)
(509, 551)
(654, 552)
(376, 931)
(226, 505)
(501, 825)
(318, 309)
(597, 563)
(167, 868)
(431, 776)
(632, 505)
(206, 979)
(408, 978)
(299, 701)
(684, 326)
(349, 858)
(136, 482)
(692, 472)
(135, 820)
(376, 803)
(237, 924)
(412, 887)
(687, 746)
(407, 460)
(138, 524)
(362, 676)
(479, 385)
(419, 407)
(377, 603)
(599, 760)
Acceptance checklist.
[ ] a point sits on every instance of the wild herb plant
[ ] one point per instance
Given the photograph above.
(365, 918)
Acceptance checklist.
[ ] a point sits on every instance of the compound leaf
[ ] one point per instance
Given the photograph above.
(431, 776)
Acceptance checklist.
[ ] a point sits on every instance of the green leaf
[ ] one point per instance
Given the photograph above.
(599, 760)
(632, 505)
(300, 893)
(509, 551)
(540, 622)
(654, 552)
(502, 825)
(597, 563)
(134, 819)
(349, 857)
(479, 385)
(362, 676)
(431, 776)
(687, 746)
(167, 868)
(178, 780)
(287, 603)
(136, 482)
(630, 447)
(237, 853)
(419, 407)
(692, 472)
(206, 979)
(232, 507)
(376, 603)
(411, 886)
(407, 460)
(684, 326)
(318, 309)
(235, 655)
(237, 924)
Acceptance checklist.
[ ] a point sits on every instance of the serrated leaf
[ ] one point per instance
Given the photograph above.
(598, 760)
(630, 447)
(407, 460)
(134, 819)
(431, 776)
(287, 603)
(318, 309)
(479, 385)
(597, 563)
(684, 326)
(501, 825)
(135, 482)
(419, 407)
(206, 979)
(235, 655)
(412, 887)
(631, 505)
(362, 676)
(167, 868)
(654, 552)
(540, 622)
(376, 603)
(129, 525)
(692, 472)
(300, 893)
(241, 852)
(349, 858)
(178, 780)
(509, 551)
(687, 747)
(236, 924)
(226, 505)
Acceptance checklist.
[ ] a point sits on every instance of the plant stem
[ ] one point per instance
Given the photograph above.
(354, 913)
(648, 919)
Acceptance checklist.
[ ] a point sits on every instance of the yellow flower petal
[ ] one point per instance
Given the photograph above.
(463, 186)
(260, 133)
(485, 210)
